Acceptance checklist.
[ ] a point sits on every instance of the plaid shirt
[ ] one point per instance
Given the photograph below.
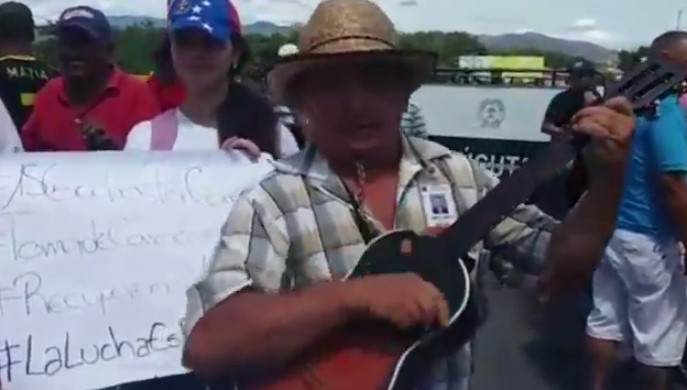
(296, 227)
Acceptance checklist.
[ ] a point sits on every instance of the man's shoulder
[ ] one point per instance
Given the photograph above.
(273, 193)
(131, 82)
(670, 106)
(565, 95)
(433, 151)
(52, 86)
(38, 68)
(459, 166)
(48, 93)
(668, 116)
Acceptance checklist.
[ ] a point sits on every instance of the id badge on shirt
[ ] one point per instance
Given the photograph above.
(438, 205)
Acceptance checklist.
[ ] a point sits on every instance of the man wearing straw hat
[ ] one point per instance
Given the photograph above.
(275, 285)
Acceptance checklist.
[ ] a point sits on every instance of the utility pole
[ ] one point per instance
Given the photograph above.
(679, 19)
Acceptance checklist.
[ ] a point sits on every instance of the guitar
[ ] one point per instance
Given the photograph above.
(375, 356)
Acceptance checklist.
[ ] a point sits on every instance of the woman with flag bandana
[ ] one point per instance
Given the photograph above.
(208, 53)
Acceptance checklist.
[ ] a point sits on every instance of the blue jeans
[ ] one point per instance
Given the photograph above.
(453, 373)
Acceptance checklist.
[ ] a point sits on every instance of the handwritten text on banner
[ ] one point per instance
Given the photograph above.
(96, 253)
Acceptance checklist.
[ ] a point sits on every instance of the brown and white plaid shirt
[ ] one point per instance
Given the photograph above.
(296, 227)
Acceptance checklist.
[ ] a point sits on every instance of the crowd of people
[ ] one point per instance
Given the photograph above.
(351, 162)
(89, 104)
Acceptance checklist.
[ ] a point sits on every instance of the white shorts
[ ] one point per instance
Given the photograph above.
(640, 298)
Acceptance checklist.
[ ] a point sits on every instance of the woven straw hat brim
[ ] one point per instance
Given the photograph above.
(422, 63)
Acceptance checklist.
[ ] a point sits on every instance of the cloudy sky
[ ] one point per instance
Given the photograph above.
(613, 23)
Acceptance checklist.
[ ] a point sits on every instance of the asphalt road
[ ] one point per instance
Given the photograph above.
(524, 346)
(513, 351)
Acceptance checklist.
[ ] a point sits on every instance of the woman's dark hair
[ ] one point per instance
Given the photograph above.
(164, 69)
(245, 112)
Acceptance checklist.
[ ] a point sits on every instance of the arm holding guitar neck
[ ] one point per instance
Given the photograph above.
(578, 243)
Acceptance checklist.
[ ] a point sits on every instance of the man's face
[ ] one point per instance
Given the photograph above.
(581, 82)
(80, 54)
(353, 106)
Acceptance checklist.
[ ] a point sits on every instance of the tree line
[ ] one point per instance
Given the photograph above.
(135, 46)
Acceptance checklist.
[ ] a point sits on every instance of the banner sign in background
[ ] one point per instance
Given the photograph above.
(502, 113)
(96, 253)
(502, 157)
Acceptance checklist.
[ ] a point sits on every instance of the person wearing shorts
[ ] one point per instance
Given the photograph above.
(639, 287)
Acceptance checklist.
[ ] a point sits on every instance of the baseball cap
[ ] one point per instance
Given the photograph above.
(88, 19)
(217, 18)
(16, 18)
(582, 67)
(15, 13)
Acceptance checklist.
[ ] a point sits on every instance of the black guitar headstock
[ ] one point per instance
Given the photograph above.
(643, 86)
(648, 82)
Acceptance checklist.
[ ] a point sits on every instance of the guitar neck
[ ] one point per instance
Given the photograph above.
(501, 201)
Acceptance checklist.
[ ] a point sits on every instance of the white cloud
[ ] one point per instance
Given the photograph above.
(597, 35)
(587, 29)
(523, 30)
(583, 24)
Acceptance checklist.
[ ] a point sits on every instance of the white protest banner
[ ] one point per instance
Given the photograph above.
(96, 253)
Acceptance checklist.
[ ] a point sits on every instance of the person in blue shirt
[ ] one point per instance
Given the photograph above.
(639, 288)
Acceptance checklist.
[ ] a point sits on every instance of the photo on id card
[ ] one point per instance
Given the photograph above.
(439, 208)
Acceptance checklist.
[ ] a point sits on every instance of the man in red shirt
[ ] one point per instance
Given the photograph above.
(93, 105)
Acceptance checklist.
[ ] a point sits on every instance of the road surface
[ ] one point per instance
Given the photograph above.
(523, 346)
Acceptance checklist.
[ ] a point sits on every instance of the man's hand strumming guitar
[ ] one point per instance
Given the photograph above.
(406, 300)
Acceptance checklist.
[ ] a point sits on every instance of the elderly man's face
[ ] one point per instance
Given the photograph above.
(352, 106)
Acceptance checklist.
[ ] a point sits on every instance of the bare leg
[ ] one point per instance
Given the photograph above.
(602, 353)
(655, 378)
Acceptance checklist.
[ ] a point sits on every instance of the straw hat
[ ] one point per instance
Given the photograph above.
(352, 29)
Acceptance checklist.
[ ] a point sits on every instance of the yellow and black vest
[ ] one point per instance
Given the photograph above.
(21, 77)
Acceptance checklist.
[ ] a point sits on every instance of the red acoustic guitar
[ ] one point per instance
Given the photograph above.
(373, 355)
